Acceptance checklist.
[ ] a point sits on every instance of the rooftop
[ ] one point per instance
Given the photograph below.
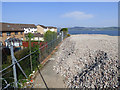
(50, 27)
(15, 27)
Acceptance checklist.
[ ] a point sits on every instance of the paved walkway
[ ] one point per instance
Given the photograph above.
(52, 79)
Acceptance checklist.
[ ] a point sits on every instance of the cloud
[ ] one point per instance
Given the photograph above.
(77, 15)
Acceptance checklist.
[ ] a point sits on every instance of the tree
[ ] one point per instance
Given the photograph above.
(29, 36)
(65, 31)
(49, 36)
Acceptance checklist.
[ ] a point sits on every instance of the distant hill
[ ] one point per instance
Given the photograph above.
(90, 28)
(93, 28)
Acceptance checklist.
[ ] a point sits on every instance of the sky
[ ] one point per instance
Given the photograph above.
(60, 0)
(62, 14)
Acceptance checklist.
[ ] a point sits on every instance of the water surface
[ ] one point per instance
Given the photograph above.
(105, 32)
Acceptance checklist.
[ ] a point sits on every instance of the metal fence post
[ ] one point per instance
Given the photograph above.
(62, 36)
(14, 68)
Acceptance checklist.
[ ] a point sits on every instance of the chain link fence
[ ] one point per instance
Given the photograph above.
(23, 64)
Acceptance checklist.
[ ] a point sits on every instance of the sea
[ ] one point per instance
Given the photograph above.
(104, 32)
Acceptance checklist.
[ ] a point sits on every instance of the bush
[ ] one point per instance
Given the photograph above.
(5, 53)
(49, 36)
(25, 64)
(35, 56)
(65, 32)
(68, 35)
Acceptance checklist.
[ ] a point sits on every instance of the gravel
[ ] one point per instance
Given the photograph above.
(88, 61)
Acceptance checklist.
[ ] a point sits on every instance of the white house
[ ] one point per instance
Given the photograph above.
(42, 29)
(29, 28)
(37, 37)
(50, 28)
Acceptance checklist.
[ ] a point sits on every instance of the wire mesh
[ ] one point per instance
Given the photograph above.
(39, 53)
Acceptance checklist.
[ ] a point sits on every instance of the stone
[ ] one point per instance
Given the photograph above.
(76, 56)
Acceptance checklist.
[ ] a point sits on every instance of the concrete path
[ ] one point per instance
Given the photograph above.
(52, 79)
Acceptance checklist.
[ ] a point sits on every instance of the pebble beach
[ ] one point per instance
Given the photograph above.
(88, 61)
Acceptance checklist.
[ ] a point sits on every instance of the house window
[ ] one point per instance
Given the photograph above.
(21, 38)
(12, 28)
(8, 25)
(21, 33)
(16, 33)
(8, 33)
(0, 34)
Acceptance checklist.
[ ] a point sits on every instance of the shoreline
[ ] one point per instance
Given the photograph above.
(93, 35)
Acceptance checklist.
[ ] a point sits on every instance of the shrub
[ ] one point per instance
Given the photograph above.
(24, 64)
(49, 36)
(29, 36)
(68, 35)
(65, 32)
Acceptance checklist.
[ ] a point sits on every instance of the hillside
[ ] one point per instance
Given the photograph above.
(93, 28)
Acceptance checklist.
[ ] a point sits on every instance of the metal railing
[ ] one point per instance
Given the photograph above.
(16, 78)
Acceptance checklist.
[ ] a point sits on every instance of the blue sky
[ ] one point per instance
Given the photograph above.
(62, 14)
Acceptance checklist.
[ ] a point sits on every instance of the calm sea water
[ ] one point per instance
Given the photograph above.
(106, 32)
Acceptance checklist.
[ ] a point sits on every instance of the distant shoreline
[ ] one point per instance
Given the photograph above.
(93, 35)
(103, 32)
(93, 30)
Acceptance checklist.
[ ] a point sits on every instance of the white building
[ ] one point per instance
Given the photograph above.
(29, 28)
(51, 29)
(38, 37)
(42, 29)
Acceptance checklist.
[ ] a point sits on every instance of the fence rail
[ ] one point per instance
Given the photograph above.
(23, 69)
